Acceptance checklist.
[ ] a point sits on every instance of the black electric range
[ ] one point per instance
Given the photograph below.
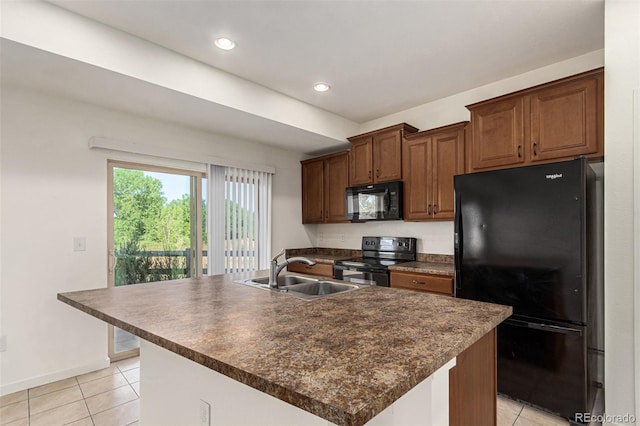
(378, 253)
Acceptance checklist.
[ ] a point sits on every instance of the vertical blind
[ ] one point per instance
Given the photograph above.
(239, 208)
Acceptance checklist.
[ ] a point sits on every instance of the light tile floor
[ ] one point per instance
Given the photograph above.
(110, 397)
(512, 413)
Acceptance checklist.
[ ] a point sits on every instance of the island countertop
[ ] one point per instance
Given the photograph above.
(344, 358)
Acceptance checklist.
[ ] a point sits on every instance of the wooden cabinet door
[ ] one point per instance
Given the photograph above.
(417, 178)
(498, 133)
(564, 120)
(361, 162)
(447, 160)
(473, 384)
(312, 191)
(387, 157)
(336, 179)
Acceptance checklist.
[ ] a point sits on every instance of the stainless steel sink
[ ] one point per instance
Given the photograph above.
(318, 289)
(302, 287)
(285, 280)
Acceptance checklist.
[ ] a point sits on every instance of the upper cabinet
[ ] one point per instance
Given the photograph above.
(430, 160)
(552, 122)
(377, 156)
(324, 181)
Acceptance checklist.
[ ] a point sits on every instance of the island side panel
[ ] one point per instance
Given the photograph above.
(172, 388)
(473, 384)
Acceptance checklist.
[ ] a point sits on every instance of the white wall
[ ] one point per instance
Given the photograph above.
(437, 237)
(55, 188)
(622, 199)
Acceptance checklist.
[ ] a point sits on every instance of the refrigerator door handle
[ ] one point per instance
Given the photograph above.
(457, 244)
(544, 327)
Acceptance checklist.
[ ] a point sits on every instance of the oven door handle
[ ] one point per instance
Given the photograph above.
(359, 269)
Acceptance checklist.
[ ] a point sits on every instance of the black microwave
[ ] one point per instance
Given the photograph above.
(380, 201)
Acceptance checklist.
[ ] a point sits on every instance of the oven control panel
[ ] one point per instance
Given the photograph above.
(389, 244)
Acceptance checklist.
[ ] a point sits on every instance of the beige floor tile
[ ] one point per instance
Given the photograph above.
(136, 387)
(532, 417)
(110, 399)
(112, 369)
(12, 398)
(132, 376)
(62, 415)
(13, 412)
(128, 364)
(52, 387)
(21, 422)
(54, 399)
(104, 384)
(82, 422)
(508, 411)
(121, 415)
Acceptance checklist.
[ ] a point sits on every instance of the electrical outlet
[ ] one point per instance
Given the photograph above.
(205, 413)
(79, 243)
(342, 237)
(3, 343)
(320, 236)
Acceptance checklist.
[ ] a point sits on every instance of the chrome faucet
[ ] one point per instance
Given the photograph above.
(276, 268)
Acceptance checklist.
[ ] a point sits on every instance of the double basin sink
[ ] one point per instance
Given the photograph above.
(303, 287)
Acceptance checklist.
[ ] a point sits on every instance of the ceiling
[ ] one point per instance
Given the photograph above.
(379, 57)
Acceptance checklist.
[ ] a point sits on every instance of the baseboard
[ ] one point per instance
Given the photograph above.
(6, 389)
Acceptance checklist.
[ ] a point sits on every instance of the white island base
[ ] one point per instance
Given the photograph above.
(175, 391)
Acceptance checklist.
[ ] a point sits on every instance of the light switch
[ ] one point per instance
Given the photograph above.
(79, 243)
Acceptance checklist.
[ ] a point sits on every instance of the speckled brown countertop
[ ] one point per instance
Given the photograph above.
(344, 358)
(323, 255)
(433, 268)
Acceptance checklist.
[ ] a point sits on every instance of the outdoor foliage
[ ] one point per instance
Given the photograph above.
(152, 235)
(144, 222)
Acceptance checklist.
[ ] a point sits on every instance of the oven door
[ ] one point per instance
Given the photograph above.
(357, 275)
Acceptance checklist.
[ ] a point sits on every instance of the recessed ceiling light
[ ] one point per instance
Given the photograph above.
(225, 43)
(321, 87)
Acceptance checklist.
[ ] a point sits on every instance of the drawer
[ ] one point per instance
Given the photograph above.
(322, 269)
(422, 282)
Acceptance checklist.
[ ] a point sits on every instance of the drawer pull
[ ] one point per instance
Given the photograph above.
(418, 282)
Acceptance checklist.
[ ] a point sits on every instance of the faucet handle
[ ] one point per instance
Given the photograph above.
(275, 259)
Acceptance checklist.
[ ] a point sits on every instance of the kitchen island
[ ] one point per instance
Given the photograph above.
(344, 359)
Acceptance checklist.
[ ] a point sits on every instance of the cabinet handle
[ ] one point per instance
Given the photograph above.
(377, 172)
(429, 210)
(326, 214)
(417, 282)
(321, 216)
(435, 208)
(535, 149)
(519, 151)
(369, 174)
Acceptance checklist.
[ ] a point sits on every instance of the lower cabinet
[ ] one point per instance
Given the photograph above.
(321, 269)
(473, 384)
(422, 282)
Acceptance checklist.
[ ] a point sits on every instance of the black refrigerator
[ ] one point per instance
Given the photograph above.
(527, 237)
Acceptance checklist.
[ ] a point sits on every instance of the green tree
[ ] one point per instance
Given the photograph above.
(138, 202)
(173, 227)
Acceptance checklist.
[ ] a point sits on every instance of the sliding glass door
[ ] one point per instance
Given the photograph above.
(156, 232)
